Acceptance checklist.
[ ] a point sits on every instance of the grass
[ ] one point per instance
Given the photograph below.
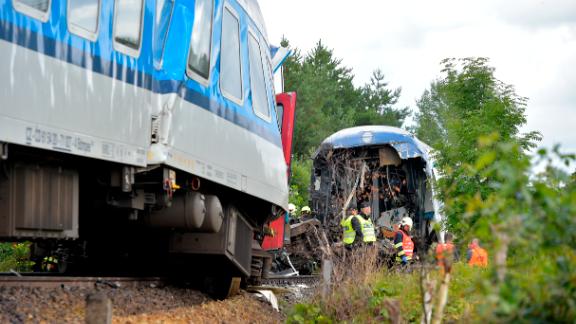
(364, 292)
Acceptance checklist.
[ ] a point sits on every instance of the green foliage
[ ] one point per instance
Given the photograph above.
(325, 92)
(328, 101)
(307, 314)
(468, 103)
(388, 294)
(526, 223)
(300, 181)
(15, 256)
(529, 225)
(376, 103)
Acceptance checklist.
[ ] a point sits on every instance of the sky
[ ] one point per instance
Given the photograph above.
(530, 43)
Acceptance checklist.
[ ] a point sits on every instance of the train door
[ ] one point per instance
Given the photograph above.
(285, 109)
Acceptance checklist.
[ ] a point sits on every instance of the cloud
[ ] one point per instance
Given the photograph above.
(536, 14)
(531, 43)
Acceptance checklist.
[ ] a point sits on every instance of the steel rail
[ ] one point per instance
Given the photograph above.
(90, 282)
(291, 281)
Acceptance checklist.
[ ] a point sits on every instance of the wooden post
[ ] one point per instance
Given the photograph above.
(326, 276)
(234, 288)
(98, 309)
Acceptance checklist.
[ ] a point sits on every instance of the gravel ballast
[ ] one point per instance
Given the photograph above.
(140, 304)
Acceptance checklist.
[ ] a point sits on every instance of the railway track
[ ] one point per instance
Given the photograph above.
(52, 281)
(49, 280)
(291, 281)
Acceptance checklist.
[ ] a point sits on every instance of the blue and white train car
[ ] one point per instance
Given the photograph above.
(145, 122)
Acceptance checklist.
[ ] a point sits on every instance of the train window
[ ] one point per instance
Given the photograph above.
(83, 17)
(279, 115)
(199, 57)
(128, 26)
(162, 21)
(257, 80)
(230, 69)
(38, 9)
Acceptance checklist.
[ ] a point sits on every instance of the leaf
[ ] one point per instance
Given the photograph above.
(485, 160)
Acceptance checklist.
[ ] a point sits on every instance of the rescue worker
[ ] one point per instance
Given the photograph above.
(368, 230)
(445, 251)
(477, 256)
(305, 213)
(359, 229)
(403, 242)
(349, 235)
(49, 264)
(291, 208)
(291, 214)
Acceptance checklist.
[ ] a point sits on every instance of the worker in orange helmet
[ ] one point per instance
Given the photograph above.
(445, 251)
(477, 256)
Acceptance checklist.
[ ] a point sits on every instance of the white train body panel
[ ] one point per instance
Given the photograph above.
(61, 92)
(57, 106)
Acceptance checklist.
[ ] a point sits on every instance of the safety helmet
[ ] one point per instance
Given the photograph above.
(305, 209)
(291, 207)
(407, 221)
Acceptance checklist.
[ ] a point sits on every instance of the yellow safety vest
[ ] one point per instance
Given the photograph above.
(368, 233)
(349, 233)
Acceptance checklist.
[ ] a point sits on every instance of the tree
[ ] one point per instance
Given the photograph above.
(429, 120)
(299, 182)
(328, 101)
(326, 96)
(466, 104)
(376, 104)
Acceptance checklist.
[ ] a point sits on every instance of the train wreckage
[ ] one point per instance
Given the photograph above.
(385, 166)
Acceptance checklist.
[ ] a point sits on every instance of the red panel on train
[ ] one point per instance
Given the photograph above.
(276, 241)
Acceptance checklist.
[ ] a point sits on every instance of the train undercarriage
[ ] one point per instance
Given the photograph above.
(94, 216)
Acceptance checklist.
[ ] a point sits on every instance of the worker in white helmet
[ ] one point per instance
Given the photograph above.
(403, 242)
(290, 214)
(305, 213)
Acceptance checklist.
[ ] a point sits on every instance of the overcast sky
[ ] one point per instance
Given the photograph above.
(531, 43)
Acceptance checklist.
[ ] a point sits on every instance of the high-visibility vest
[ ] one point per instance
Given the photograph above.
(49, 263)
(368, 232)
(479, 257)
(442, 250)
(407, 247)
(349, 233)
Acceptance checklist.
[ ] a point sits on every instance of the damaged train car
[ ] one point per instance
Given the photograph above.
(383, 165)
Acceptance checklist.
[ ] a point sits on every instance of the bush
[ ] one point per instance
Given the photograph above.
(380, 295)
(15, 256)
(528, 226)
(300, 182)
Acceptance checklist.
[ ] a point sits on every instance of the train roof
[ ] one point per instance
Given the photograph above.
(406, 144)
(253, 9)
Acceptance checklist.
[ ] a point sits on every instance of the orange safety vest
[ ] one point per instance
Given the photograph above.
(479, 257)
(442, 250)
(407, 246)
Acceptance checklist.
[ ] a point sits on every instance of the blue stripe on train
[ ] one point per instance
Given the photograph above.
(50, 47)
